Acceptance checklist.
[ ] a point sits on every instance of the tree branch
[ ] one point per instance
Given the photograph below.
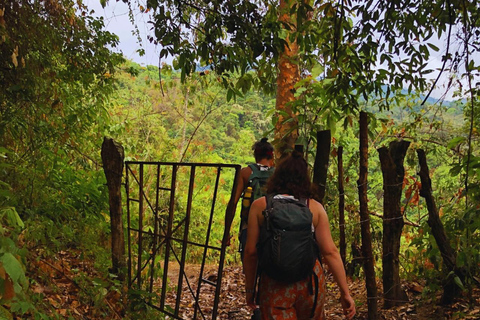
(445, 57)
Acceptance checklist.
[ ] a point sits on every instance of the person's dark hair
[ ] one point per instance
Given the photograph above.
(291, 176)
(262, 150)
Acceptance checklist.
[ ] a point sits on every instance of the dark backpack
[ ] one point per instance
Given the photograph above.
(287, 250)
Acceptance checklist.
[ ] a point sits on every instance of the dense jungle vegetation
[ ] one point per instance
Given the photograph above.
(62, 91)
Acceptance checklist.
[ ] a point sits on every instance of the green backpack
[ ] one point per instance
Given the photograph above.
(257, 181)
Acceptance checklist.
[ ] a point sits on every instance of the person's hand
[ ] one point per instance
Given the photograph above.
(348, 306)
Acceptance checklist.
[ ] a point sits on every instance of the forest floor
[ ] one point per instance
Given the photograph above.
(59, 280)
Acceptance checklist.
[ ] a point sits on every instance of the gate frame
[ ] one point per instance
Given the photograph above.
(167, 238)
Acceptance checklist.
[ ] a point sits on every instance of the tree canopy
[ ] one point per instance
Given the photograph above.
(362, 47)
(348, 51)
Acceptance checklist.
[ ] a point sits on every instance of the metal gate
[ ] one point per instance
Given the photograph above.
(170, 222)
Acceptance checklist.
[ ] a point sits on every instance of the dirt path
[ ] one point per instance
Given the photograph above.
(232, 302)
(57, 281)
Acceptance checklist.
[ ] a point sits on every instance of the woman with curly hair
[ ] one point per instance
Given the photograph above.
(279, 300)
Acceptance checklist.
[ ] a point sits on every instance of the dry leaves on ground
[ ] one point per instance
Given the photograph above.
(58, 280)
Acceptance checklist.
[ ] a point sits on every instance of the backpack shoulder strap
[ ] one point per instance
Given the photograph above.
(268, 209)
(254, 167)
(304, 201)
(269, 199)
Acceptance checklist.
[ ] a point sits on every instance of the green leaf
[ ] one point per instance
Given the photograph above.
(455, 142)
(317, 70)
(4, 152)
(13, 267)
(471, 65)
(458, 282)
(461, 259)
(328, 81)
(11, 214)
(299, 91)
(5, 314)
(229, 94)
(22, 307)
(283, 113)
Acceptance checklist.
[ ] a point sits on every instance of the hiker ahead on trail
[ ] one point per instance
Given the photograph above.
(252, 182)
(287, 232)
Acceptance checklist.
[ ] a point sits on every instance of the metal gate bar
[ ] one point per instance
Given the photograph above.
(152, 241)
(197, 307)
(168, 237)
(185, 238)
(140, 229)
(155, 230)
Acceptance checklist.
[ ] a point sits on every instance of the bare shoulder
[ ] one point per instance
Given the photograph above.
(317, 210)
(316, 206)
(260, 204)
(245, 173)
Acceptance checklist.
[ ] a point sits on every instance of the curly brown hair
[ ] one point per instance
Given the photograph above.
(291, 176)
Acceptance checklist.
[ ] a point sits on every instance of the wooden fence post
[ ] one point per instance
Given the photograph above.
(449, 256)
(112, 158)
(368, 262)
(341, 206)
(391, 160)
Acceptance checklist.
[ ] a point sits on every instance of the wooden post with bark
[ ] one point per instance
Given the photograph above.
(449, 256)
(112, 158)
(341, 206)
(368, 263)
(320, 167)
(391, 160)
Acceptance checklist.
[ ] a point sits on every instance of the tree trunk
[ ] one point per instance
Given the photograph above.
(368, 263)
(449, 256)
(112, 158)
(320, 166)
(356, 260)
(286, 132)
(391, 160)
(341, 206)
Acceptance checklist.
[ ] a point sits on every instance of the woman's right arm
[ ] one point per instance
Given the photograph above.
(332, 257)
(242, 182)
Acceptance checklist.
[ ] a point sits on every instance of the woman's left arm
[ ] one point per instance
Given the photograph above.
(250, 257)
